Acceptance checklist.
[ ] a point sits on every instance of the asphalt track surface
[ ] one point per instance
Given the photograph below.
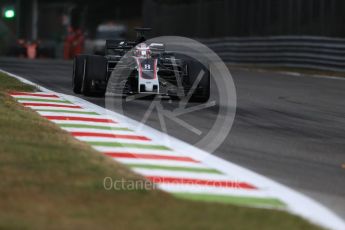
(288, 128)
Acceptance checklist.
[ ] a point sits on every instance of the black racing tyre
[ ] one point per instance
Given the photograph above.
(78, 72)
(95, 70)
(202, 92)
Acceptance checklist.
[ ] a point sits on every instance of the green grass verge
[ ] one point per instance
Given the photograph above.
(51, 181)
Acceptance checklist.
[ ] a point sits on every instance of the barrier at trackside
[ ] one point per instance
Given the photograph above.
(320, 53)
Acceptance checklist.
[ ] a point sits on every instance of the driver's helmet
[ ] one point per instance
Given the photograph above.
(142, 50)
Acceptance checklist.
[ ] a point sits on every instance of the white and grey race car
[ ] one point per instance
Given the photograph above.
(141, 68)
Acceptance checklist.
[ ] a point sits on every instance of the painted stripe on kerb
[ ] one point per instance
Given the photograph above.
(33, 94)
(110, 124)
(224, 191)
(122, 132)
(149, 156)
(69, 114)
(139, 151)
(24, 97)
(102, 120)
(66, 111)
(162, 162)
(42, 100)
(107, 139)
(83, 126)
(44, 103)
(51, 105)
(127, 145)
(239, 200)
(115, 136)
(37, 108)
(183, 174)
(200, 182)
(175, 168)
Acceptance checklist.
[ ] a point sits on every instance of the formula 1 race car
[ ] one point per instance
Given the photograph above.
(141, 68)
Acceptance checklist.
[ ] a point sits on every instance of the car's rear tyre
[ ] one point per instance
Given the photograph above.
(78, 72)
(95, 70)
(202, 91)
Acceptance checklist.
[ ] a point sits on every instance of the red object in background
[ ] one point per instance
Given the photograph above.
(31, 50)
(78, 44)
(74, 43)
(67, 44)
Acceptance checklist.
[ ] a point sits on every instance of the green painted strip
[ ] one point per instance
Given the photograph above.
(128, 145)
(238, 200)
(43, 100)
(66, 111)
(93, 127)
(173, 168)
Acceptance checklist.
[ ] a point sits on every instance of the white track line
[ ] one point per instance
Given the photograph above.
(290, 73)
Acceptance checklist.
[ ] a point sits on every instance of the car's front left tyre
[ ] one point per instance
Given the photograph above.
(78, 72)
(95, 71)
